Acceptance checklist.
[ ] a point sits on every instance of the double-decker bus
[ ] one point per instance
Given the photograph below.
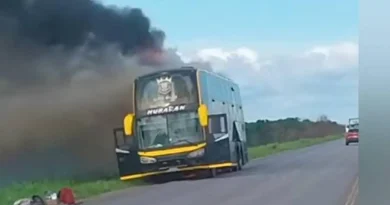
(184, 121)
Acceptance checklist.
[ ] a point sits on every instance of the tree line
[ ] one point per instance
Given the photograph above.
(264, 132)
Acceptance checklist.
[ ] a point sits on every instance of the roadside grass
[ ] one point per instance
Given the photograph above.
(269, 149)
(85, 189)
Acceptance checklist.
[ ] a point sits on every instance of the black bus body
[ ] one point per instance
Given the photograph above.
(167, 131)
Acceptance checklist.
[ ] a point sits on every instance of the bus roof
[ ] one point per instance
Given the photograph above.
(188, 68)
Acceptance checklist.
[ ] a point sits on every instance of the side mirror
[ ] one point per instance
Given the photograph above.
(203, 115)
(121, 141)
(128, 123)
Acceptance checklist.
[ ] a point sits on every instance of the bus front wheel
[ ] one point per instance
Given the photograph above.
(238, 167)
(213, 172)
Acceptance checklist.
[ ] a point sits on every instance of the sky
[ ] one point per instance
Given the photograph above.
(291, 58)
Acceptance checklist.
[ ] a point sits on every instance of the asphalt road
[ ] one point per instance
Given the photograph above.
(323, 174)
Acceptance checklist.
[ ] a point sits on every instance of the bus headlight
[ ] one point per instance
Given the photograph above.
(196, 153)
(147, 160)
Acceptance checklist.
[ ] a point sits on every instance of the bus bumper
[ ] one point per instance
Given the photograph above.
(178, 169)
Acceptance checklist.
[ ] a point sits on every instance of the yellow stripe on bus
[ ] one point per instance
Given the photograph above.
(177, 150)
(210, 166)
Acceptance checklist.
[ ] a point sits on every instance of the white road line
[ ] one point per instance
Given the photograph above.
(353, 194)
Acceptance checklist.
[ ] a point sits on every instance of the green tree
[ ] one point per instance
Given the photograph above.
(266, 131)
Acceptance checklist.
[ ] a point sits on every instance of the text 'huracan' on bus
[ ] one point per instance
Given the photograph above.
(184, 121)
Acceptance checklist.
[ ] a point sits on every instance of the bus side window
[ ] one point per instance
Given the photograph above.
(223, 124)
(217, 124)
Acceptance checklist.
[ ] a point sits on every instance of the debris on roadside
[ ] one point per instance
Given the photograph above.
(64, 196)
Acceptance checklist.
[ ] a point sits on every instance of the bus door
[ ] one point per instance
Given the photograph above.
(126, 153)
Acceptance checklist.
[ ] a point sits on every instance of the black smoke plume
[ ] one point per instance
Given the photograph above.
(66, 68)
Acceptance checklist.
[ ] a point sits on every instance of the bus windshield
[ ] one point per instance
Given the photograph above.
(161, 91)
(169, 130)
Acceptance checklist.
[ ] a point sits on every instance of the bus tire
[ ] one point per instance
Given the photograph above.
(239, 162)
(238, 166)
(213, 172)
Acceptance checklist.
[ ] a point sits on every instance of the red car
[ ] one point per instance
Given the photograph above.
(352, 136)
(352, 131)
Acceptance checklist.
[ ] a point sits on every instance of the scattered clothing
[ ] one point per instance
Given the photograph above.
(65, 196)
(34, 200)
(23, 202)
